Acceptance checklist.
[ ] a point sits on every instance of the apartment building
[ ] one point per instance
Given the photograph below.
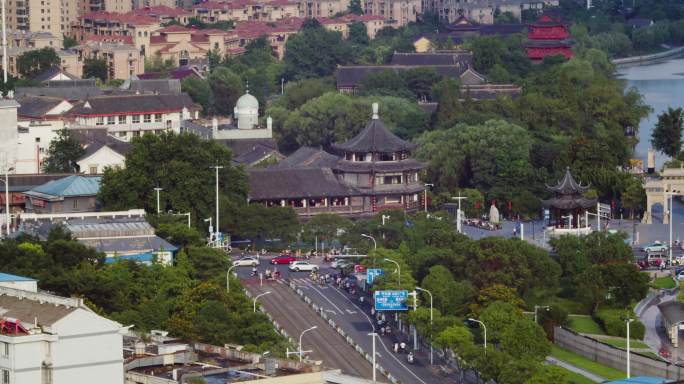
(119, 6)
(397, 13)
(51, 339)
(322, 8)
(277, 32)
(54, 16)
(69, 61)
(482, 11)
(341, 24)
(245, 10)
(123, 60)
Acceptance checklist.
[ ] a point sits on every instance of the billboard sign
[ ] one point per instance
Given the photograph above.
(372, 273)
(391, 300)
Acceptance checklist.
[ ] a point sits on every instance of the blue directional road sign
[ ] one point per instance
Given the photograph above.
(372, 273)
(391, 300)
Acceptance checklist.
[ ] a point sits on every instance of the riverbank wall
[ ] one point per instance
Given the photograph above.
(644, 59)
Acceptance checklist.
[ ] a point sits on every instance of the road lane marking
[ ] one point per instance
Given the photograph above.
(326, 299)
(331, 311)
(350, 312)
(380, 339)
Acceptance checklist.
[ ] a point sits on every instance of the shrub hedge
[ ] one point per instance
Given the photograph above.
(613, 323)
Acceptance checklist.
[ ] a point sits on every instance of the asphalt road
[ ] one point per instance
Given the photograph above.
(354, 318)
(295, 316)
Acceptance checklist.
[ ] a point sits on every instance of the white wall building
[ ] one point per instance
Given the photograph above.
(8, 133)
(57, 340)
(246, 126)
(130, 116)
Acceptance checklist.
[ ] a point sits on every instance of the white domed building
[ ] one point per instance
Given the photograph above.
(245, 122)
(246, 111)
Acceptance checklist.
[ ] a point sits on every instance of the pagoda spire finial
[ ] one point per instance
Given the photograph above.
(247, 86)
(376, 116)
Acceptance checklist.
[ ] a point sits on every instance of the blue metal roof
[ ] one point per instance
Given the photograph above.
(70, 186)
(639, 380)
(4, 277)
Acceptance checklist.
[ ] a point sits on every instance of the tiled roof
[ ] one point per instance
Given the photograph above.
(69, 186)
(438, 58)
(51, 72)
(286, 183)
(308, 157)
(5, 277)
(375, 138)
(71, 93)
(351, 75)
(27, 311)
(175, 29)
(129, 244)
(37, 107)
(125, 104)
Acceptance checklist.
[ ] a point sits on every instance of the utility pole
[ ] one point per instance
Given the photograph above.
(8, 218)
(628, 352)
(458, 212)
(157, 190)
(4, 43)
(217, 167)
(373, 334)
(426, 191)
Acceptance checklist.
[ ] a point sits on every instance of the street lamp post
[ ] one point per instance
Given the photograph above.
(217, 167)
(426, 190)
(228, 278)
(485, 331)
(628, 353)
(157, 190)
(258, 296)
(8, 218)
(373, 334)
(458, 212)
(536, 307)
(301, 352)
(431, 319)
(398, 272)
(375, 244)
(670, 218)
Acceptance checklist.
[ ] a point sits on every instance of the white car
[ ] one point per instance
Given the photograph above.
(247, 261)
(303, 266)
(340, 263)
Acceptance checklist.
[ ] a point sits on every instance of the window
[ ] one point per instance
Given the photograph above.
(147, 118)
(93, 169)
(5, 377)
(136, 119)
(110, 120)
(168, 124)
(122, 134)
(4, 349)
(136, 133)
(122, 119)
(37, 139)
(157, 117)
(75, 204)
(99, 121)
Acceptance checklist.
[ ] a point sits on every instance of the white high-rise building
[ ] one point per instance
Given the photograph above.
(51, 339)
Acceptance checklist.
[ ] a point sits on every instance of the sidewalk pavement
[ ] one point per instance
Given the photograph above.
(572, 368)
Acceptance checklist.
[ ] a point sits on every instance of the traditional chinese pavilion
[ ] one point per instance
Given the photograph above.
(568, 206)
(368, 173)
(549, 36)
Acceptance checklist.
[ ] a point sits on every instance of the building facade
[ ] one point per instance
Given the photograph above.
(51, 339)
(396, 13)
(67, 195)
(54, 16)
(123, 60)
(548, 37)
(128, 116)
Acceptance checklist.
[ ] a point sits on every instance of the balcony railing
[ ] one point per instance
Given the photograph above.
(310, 211)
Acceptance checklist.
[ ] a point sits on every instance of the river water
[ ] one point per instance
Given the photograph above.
(662, 85)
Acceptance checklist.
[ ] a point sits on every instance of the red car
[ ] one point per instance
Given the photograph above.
(283, 259)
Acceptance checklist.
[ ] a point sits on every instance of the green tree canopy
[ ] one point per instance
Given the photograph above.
(667, 135)
(62, 154)
(315, 52)
(180, 164)
(95, 68)
(34, 62)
